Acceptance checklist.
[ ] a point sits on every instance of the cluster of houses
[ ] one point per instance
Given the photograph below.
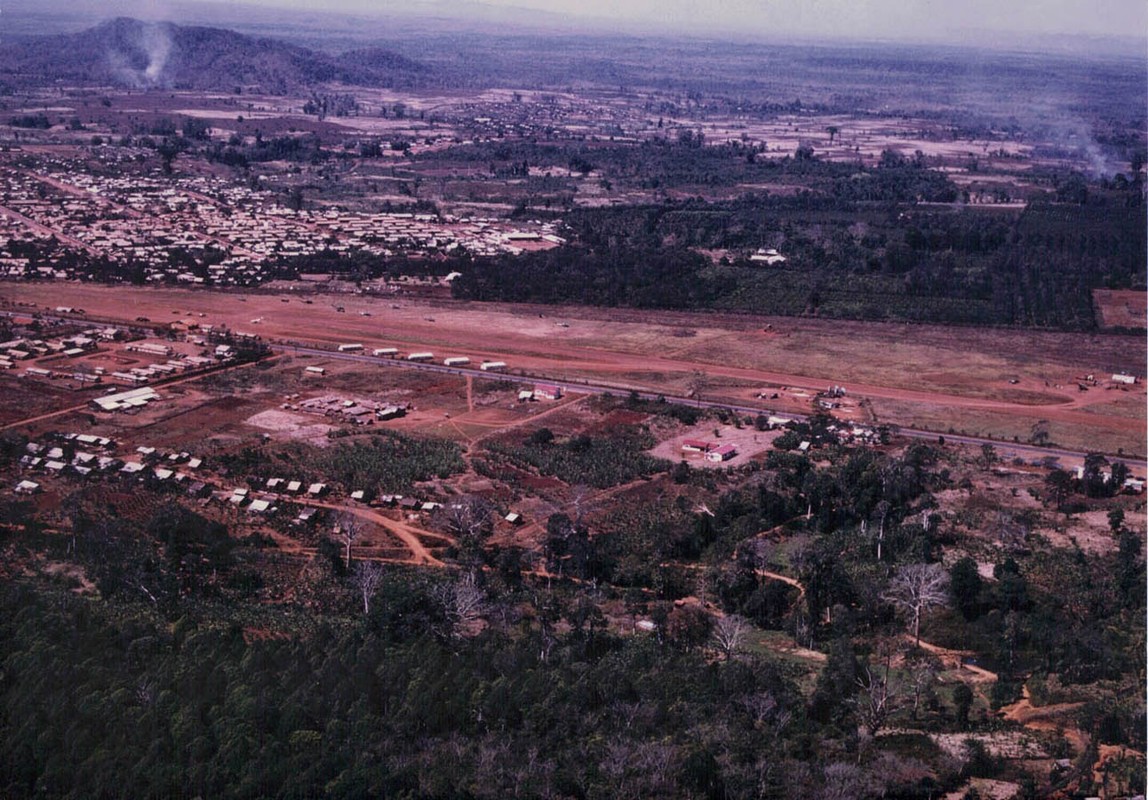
(267, 502)
(384, 234)
(24, 195)
(56, 352)
(142, 219)
(23, 349)
(710, 451)
(357, 412)
(83, 344)
(82, 455)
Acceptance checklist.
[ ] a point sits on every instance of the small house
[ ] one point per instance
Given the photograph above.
(723, 453)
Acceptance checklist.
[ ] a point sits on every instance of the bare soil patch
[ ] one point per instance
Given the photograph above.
(749, 442)
(285, 425)
(1121, 308)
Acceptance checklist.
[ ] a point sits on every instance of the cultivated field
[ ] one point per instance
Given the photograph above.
(1123, 308)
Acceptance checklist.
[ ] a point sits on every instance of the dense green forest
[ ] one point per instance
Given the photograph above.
(487, 679)
(845, 259)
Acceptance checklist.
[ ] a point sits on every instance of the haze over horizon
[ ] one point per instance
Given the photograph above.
(927, 21)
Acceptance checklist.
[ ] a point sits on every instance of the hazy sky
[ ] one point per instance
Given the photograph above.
(896, 19)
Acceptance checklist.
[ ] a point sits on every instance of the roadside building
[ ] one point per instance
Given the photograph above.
(723, 453)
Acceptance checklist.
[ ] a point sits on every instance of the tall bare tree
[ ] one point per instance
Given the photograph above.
(880, 693)
(881, 511)
(470, 520)
(350, 528)
(728, 634)
(367, 577)
(463, 601)
(915, 589)
(921, 675)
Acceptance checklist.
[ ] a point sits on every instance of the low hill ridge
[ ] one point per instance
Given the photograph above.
(130, 53)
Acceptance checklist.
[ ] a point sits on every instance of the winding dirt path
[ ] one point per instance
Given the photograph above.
(408, 534)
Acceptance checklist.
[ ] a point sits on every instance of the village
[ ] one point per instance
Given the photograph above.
(202, 230)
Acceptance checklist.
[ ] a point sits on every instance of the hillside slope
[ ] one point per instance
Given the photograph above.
(130, 53)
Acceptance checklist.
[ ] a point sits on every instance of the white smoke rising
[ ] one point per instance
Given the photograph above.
(157, 45)
(153, 42)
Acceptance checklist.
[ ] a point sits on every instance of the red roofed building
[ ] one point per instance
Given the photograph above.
(723, 453)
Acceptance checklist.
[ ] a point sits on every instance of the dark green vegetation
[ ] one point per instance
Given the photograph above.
(598, 461)
(180, 676)
(845, 258)
(385, 461)
(891, 242)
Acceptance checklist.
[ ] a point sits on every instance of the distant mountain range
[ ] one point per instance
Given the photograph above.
(130, 53)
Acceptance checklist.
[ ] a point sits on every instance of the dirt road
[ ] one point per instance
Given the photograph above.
(408, 534)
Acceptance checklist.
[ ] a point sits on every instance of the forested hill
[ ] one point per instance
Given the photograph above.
(128, 52)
